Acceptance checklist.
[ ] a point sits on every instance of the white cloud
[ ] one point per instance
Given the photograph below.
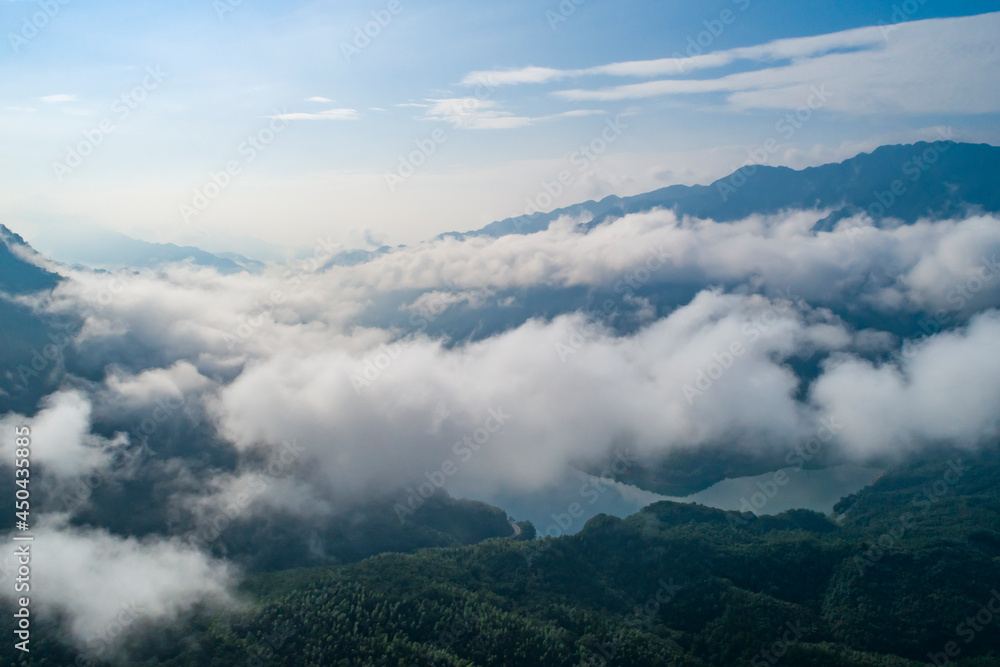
(329, 114)
(392, 432)
(144, 389)
(474, 113)
(782, 49)
(62, 97)
(903, 69)
(479, 114)
(319, 99)
(105, 584)
(291, 376)
(515, 76)
(947, 393)
(62, 442)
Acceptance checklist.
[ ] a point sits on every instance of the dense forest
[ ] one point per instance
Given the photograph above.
(902, 573)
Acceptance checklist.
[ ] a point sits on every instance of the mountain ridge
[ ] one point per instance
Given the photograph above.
(17, 274)
(860, 178)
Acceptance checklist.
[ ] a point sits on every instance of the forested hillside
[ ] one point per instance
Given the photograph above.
(907, 569)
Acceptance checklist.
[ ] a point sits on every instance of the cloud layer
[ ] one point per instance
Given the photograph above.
(879, 69)
(652, 332)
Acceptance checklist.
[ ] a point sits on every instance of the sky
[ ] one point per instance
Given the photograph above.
(252, 126)
(258, 127)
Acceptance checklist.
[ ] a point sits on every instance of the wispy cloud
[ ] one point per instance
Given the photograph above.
(62, 97)
(907, 68)
(781, 49)
(319, 99)
(477, 114)
(329, 114)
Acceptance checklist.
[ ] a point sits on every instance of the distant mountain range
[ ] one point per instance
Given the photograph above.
(936, 180)
(905, 182)
(113, 250)
(924, 180)
(932, 180)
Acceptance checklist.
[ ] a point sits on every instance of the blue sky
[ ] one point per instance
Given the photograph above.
(331, 122)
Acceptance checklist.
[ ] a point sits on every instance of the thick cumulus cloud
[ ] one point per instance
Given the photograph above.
(513, 410)
(221, 322)
(945, 392)
(909, 267)
(280, 356)
(279, 393)
(107, 585)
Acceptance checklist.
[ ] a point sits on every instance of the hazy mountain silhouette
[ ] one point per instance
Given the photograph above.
(933, 180)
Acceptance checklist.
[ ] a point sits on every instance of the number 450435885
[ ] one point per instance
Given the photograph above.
(22, 461)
